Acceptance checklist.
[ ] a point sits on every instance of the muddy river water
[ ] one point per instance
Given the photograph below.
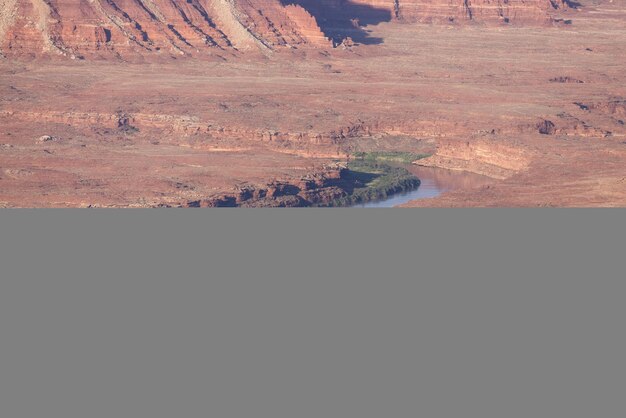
(434, 181)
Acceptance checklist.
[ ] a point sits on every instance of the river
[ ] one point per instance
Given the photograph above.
(434, 181)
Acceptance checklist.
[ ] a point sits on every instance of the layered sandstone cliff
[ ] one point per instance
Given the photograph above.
(491, 11)
(505, 11)
(77, 28)
(85, 27)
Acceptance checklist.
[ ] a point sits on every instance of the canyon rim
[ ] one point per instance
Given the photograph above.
(205, 103)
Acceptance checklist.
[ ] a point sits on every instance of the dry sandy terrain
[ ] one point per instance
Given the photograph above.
(541, 109)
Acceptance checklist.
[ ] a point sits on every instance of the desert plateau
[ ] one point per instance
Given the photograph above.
(294, 103)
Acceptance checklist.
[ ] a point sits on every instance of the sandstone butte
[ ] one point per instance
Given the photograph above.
(144, 103)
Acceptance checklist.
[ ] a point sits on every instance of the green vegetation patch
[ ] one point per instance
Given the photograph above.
(372, 180)
(389, 156)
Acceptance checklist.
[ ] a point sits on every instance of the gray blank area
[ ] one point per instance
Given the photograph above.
(312, 313)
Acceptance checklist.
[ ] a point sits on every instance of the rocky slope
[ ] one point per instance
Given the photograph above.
(131, 28)
(100, 27)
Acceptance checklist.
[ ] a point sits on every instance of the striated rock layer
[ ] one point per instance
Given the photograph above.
(489, 11)
(506, 11)
(77, 28)
(82, 27)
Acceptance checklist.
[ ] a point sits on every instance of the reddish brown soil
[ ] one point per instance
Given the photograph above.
(540, 108)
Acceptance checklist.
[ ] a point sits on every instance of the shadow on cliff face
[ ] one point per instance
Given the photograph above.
(340, 19)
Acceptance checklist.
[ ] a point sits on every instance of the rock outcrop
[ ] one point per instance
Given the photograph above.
(131, 28)
(77, 28)
(316, 189)
(340, 19)
(490, 11)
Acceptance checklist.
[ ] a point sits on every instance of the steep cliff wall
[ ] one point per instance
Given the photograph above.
(507, 11)
(489, 11)
(280, 25)
(77, 28)
(85, 27)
